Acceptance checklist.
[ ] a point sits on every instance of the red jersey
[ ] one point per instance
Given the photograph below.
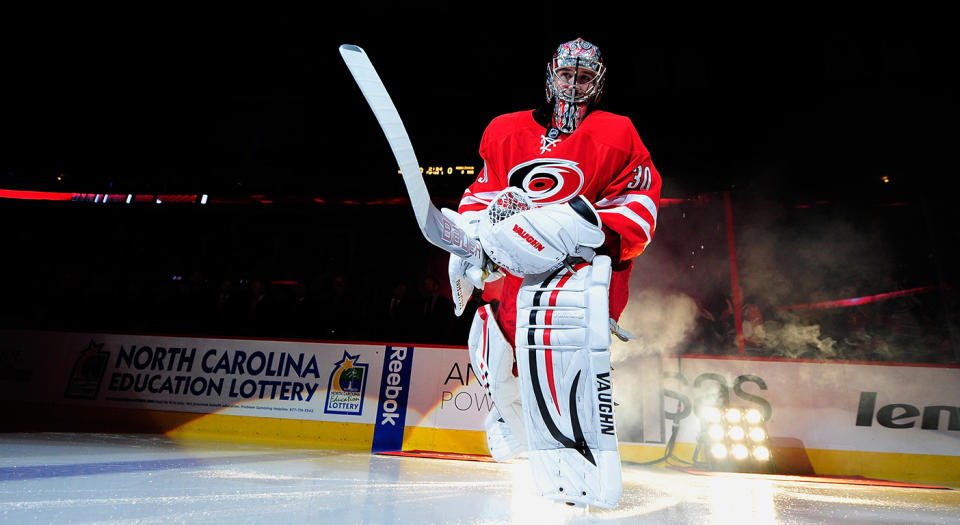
(603, 159)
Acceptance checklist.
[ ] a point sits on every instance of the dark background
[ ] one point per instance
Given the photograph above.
(232, 100)
(786, 111)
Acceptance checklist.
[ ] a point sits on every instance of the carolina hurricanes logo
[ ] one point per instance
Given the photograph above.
(547, 181)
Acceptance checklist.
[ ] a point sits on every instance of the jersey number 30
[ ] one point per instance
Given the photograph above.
(641, 178)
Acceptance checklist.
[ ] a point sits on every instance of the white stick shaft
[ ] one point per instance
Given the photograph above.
(435, 227)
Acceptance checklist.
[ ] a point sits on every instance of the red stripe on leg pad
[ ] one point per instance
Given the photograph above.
(548, 355)
(483, 315)
(548, 319)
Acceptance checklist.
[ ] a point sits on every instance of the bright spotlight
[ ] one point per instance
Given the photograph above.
(757, 434)
(719, 451)
(739, 452)
(733, 416)
(734, 439)
(715, 432)
(712, 414)
(736, 433)
(753, 416)
(761, 453)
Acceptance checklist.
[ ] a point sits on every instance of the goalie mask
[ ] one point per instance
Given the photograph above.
(574, 83)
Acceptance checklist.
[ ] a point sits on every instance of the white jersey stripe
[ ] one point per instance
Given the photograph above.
(469, 199)
(630, 215)
(623, 200)
(487, 195)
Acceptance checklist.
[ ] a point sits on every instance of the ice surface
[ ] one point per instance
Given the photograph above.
(94, 478)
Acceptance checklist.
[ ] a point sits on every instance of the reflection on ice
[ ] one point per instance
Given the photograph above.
(148, 479)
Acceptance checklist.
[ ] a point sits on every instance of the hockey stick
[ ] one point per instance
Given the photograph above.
(438, 229)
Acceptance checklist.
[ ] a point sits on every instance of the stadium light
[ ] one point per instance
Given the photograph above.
(761, 453)
(737, 433)
(733, 416)
(739, 452)
(736, 438)
(718, 451)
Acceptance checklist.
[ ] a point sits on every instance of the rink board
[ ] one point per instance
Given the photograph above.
(329, 394)
(900, 422)
(884, 420)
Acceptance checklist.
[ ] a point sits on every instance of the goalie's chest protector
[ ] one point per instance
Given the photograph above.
(552, 167)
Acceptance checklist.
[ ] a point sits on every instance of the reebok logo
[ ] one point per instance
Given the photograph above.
(527, 237)
(390, 406)
(394, 390)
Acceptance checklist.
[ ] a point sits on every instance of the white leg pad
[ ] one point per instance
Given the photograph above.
(492, 359)
(563, 357)
(501, 441)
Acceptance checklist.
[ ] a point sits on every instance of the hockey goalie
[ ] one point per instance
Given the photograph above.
(567, 197)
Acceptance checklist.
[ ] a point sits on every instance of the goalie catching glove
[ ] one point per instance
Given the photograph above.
(532, 241)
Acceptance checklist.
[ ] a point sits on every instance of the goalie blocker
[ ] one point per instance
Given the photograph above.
(563, 357)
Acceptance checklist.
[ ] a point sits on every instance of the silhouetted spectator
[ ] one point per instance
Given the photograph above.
(706, 337)
(396, 315)
(436, 313)
(343, 312)
(752, 324)
(258, 315)
(187, 309)
(228, 310)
